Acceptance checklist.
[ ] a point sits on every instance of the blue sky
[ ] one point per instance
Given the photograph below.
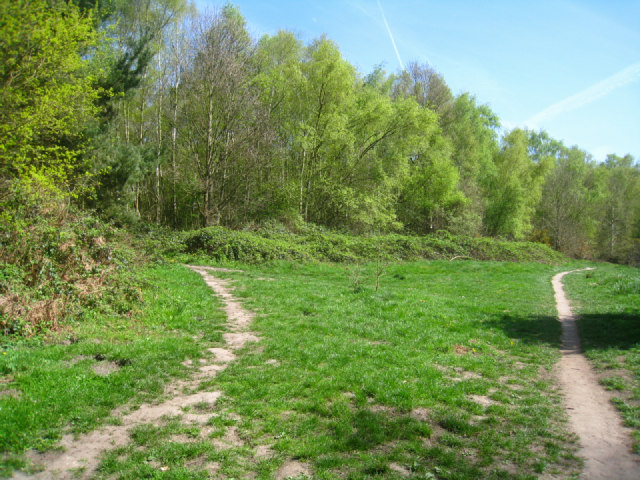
(569, 67)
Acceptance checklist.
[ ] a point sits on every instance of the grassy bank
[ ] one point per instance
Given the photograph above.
(608, 302)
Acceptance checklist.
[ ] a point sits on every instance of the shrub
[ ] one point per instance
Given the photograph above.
(313, 244)
(55, 263)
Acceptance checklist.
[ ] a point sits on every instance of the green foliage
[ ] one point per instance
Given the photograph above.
(221, 130)
(271, 243)
(135, 29)
(618, 184)
(567, 205)
(48, 94)
(431, 198)
(472, 131)
(222, 244)
(514, 189)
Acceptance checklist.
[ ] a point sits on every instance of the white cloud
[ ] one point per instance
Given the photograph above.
(393, 42)
(624, 77)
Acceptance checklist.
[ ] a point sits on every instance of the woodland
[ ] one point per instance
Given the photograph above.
(146, 111)
(146, 114)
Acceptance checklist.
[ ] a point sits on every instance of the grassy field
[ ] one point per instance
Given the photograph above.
(430, 370)
(608, 301)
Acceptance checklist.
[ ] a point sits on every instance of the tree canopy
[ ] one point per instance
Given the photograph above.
(146, 110)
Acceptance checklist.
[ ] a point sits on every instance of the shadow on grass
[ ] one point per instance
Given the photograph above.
(529, 329)
(597, 331)
(373, 436)
(609, 330)
(369, 429)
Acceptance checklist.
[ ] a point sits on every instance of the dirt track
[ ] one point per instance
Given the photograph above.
(605, 442)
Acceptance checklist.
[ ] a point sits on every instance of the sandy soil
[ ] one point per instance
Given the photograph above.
(79, 456)
(605, 442)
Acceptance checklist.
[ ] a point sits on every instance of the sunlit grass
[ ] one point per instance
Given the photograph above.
(445, 370)
(441, 371)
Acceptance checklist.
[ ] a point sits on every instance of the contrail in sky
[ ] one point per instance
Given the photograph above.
(384, 18)
(588, 95)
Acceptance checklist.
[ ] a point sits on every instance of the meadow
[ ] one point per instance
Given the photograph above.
(439, 369)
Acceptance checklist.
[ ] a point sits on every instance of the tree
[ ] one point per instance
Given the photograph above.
(431, 198)
(223, 123)
(425, 86)
(136, 35)
(514, 189)
(472, 130)
(48, 96)
(278, 75)
(566, 207)
(618, 206)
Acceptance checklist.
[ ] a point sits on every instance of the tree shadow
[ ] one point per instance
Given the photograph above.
(529, 329)
(369, 429)
(597, 331)
(371, 436)
(609, 330)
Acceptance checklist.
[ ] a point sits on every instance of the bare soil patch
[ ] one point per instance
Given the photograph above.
(605, 442)
(263, 451)
(293, 468)
(422, 414)
(400, 469)
(105, 368)
(482, 400)
(10, 392)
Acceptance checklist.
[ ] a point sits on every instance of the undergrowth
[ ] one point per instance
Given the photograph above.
(274, 242)
(57, 263)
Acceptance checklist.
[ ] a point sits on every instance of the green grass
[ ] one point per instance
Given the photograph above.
(608, 301)
(50, 386)
(442, 371)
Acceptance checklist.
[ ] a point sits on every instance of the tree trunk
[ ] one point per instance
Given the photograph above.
(158, 173)
(174, 136)
(304, 157)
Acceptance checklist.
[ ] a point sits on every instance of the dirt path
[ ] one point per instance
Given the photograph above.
(605, 443)
(80, 455)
